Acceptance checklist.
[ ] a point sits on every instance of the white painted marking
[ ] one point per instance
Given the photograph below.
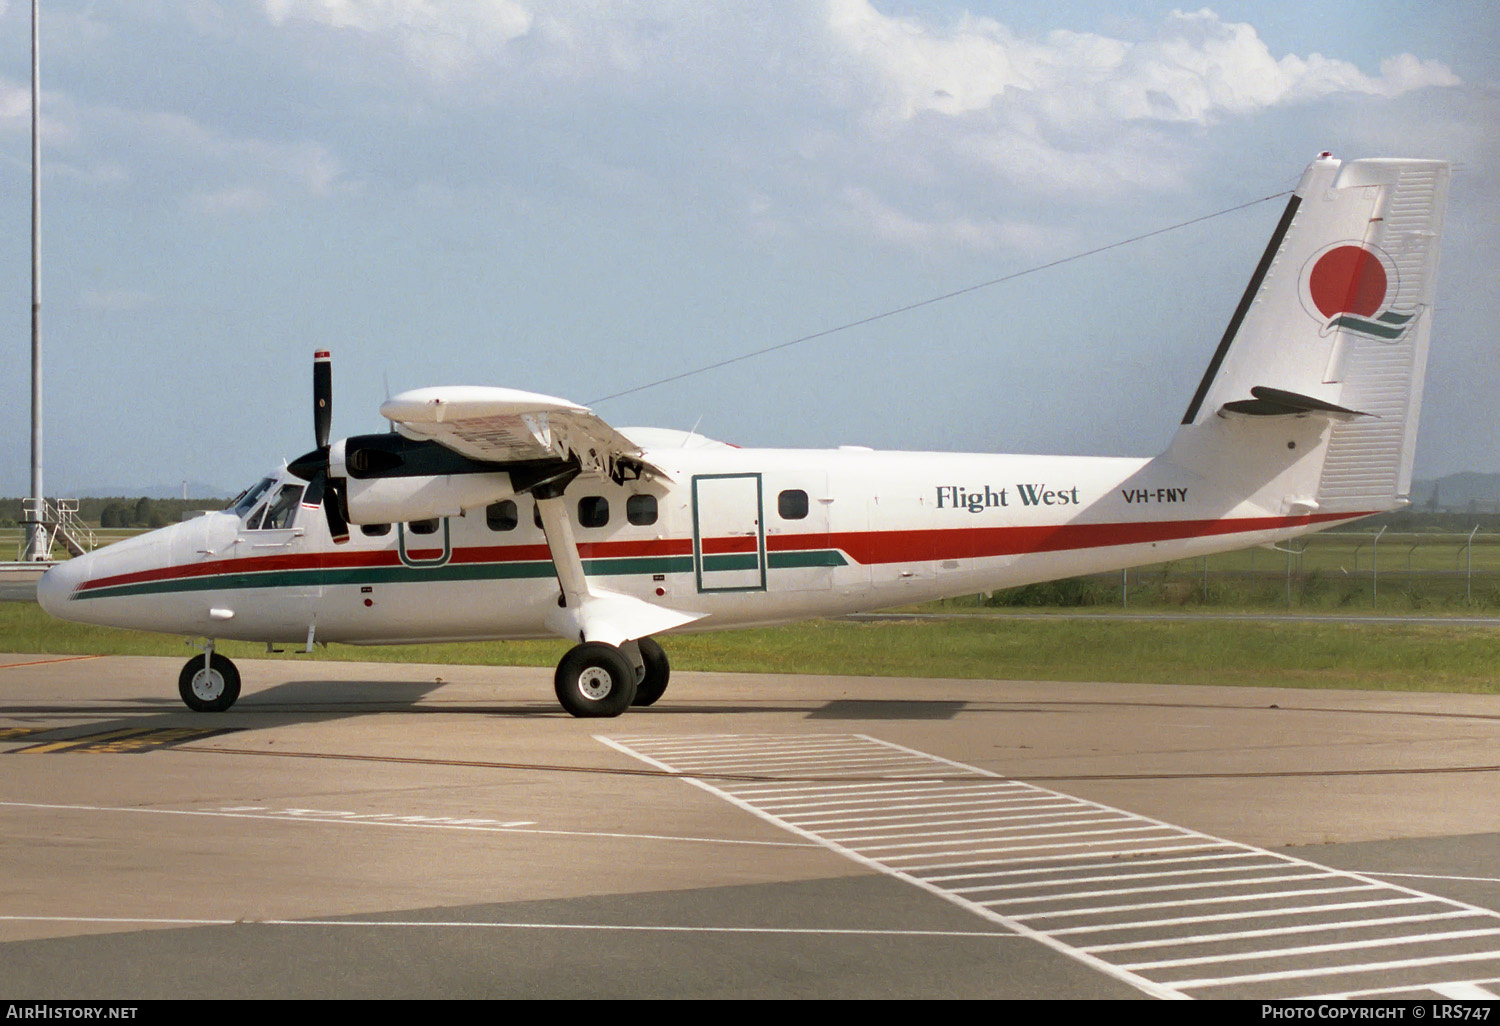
(1210, 938)
(1436, 988)
(1464, 992)
(1034, 861)
(1071, 913)
(1315, 949)
(463, 925)
(1254, 881)
(1436, 876)
(1237, 914)
(399, 825)
(1343, 970)
(1023, 885)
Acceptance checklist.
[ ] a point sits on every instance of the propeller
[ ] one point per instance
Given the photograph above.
(312, 467)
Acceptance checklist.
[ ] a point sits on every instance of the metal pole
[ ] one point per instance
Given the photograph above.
(1375, 568)
(1469, 568)
(1289, 573)
(36, 542)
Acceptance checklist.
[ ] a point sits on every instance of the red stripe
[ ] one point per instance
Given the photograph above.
(338, 560)
(739, 543)
(909, 546)
(867, 547)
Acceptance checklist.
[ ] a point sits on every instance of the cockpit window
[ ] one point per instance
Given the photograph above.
(249, 497)
(282, 511)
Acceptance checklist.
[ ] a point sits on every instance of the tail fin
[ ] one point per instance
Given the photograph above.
(1316, 384)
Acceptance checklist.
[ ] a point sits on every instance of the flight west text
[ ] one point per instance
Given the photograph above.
(976, 500)
(1141, 496)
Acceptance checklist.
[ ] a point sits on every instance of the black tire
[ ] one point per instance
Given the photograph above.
(658, 672)
(213, 688)
(595, 680)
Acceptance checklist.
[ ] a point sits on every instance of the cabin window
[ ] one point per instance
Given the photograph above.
(281, 512)
(375, 530)
(792, 504)
(593, 511)
(640, 510)
(423, 526)
(502, 515)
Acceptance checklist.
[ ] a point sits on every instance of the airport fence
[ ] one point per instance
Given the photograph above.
(1377, 569)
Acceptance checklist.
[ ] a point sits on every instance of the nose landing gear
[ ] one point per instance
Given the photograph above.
(209, 683)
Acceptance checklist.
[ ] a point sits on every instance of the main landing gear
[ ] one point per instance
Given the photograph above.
(597, 680)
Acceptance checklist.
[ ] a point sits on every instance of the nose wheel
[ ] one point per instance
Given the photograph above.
(209, 685)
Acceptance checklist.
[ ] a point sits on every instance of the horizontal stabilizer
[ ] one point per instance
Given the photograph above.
(1276, 402)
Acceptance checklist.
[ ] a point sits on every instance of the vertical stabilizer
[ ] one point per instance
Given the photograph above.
(1318, 378)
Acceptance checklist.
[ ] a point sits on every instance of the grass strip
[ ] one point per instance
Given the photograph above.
(1410, 656)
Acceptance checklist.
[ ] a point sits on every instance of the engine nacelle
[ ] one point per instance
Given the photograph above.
(387, 478)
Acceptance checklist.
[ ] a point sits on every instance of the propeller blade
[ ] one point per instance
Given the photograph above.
(315, 485)
(322, 396)
(333, 511)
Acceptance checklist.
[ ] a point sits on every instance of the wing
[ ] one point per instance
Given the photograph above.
(505, 425)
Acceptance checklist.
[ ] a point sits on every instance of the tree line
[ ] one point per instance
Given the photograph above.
(121, 511)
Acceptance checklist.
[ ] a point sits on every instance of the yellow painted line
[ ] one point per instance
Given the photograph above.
(85, 742)
(128, 740)
(7, 733)
(44, 662)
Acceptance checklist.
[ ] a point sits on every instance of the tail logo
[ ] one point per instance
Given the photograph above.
(1352, 286)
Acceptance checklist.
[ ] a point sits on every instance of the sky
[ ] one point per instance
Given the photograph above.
(581, 197)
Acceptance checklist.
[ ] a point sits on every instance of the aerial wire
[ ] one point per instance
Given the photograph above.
(936, 299)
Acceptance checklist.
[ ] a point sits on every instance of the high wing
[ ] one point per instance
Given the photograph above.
(506, 425)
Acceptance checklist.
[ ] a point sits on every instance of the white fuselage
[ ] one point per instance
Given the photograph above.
(740, 537)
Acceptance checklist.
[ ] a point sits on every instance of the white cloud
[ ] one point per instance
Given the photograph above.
(895, 106)
(15, 104)
(230, 201)
(1197, 68)
(115, 300)
(863, 208)
(443, 38)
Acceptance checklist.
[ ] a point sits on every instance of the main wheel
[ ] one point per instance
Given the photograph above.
(211, 688)
(595, 679)
(658, 670)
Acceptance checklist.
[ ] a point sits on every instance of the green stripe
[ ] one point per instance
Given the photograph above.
(529, 570)
(800, 560)
(1368, 327)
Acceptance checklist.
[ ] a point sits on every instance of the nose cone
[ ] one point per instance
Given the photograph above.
(55, 590)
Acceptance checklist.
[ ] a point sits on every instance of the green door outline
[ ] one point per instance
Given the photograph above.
(730, 561)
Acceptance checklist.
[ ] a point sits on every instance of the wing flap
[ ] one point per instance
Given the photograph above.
(506, 425)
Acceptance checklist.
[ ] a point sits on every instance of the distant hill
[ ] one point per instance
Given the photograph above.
(1464, 492)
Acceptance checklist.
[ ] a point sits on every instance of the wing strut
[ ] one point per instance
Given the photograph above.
(585, 611)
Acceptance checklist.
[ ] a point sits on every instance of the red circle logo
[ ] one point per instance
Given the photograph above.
(1348, 279)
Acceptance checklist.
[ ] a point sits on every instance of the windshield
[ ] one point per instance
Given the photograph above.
(280, 512)
(249, 497)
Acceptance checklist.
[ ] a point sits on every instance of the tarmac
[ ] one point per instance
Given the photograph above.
(411, 831)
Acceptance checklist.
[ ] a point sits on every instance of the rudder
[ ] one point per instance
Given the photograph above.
(1334, 328)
